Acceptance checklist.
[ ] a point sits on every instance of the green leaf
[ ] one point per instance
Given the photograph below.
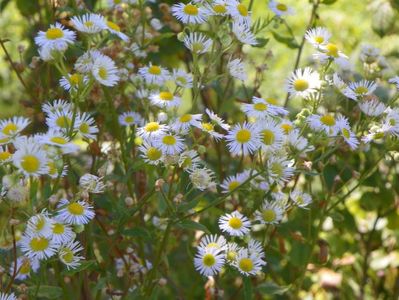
(261, 42)
(45, 291)
(186, 206)
(247, 288)
(138, 232)
(188, 224)
(287, 40)
(85, 265)
(270, 288)
(328, 2)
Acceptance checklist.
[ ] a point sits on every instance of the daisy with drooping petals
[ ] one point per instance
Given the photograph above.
(324, 123)
(280, 169)
(248, 264)
(269, 213)
(202, 178)
(88, 23)
(30, 159)
(130, 118)
(55, 38)
(189, 160)
(217, 242)
(243, 139)
(209, 262)
(216, 119)
(303, 82)
(243, 33)
(154, 74)
(165, 99)
(255, 248)
(84, 64)
(344, 130)
(210, 129)
(73, 82)
(92, 183)
(280, 9)
(298, 142)
(105, 71)
(237, 69)
(184, 122)
(372, 107)
(25, 266)
(58, 105)
(68, 254)
(115, 29)
(330, 52)
(169, 143)
(235, 224)
(233, 182)
(318, 36)
(151, 130)
(38, 247)
(197, 42)
(300, 198)
(190, 13)
(360, 89)
(75, 213)
(40, 225)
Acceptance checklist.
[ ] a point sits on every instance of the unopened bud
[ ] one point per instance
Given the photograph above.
(129, 201)
(159, 184)
(162, 281)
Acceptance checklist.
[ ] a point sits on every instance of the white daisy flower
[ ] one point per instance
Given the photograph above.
(391, 121)
(232, 252)
(298, 142)
(270, 213)
(232, 182)
(303, 82)
(25, 266)
(190, 13)
(61, 233)
(280, 169)
(88, 23)
(189, 160)
(84, 64)
(300, 198)
(92, 183)
(5, 155)
(210, 129)
(218, 8)
(248, 264)
(280, 9)
(217, 242)
(131, 118)
(216, 119)
(73, 82)
(10, 128)
(151, 154)
(75, 213)
(261, 109)
(235, 224)
(154, 74)
(243, 139)
(61, 121)
(4, 296)
(343, 128)
(115, 29)
(238, 12)
(86, 126)
(318, 36)
(68, 254)
(271, 135)
(339, 83)
(169, 143)
(324, 123)
(152, 130)
(331, 52)
(360, 89)
(255, 248)
(58, 105)
(286, 126)
(57, 139)
(55, 38)
(184, 122)
(56, 168)
(197, 42)
(165, 99)
(38, 247)
(202, 178)
(209, 262)
(182, 78)
(105, 71)
(30, 159)
(372, 107)
(243, 33)
(39, 225)
(237, 69)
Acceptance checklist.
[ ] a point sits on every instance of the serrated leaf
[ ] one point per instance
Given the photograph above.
(85, 265)
(45, 291)
(188, 224)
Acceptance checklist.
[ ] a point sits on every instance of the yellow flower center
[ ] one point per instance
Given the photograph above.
(84, 128)
(243, 136)
(185, 118)
(169, 140)
(328, 120)
(242, 10)
(75, 79)
(103, 73)
(191, 10)
(154, 70)
(378, 135)
(319, 39)
(231, 255)
(51, 168)
(4, 155)
(281, 7)
(361, 90)
(392, 122)
(59, 140)
(63, 122)
(10, 128)
(233, 185)
(268, 137)
(235, 223)
(67, 255)
(260, 106)
(277, 169)
(58, 228)
(207, 126)
(286, 127)
(299, 200)
(166, 96)
(153, 153)
(332, 50)
(54, 33)
(89, 24)
(40, 224)
(38, 244)
(151, 127)
(30, 163)
(197, 47)
(219, 9)
(76, 209)
(25, 267)
(346, 133)
(212, 245)
(129, 119)
(209, 260)
(301, 85)
(113, 26)
(246, 264)
(268, 215)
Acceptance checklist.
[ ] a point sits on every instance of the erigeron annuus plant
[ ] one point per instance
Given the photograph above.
(139, 163)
